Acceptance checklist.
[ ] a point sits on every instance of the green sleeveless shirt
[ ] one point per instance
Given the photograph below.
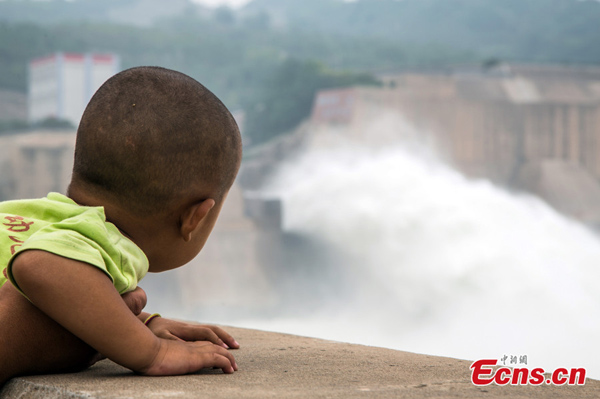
(58, 225)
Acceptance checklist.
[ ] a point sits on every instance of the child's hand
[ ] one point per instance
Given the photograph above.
(135, 300)
(180, 357)
(181, 331)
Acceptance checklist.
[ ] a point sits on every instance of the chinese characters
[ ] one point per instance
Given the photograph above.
(522, 359)
(16, 224)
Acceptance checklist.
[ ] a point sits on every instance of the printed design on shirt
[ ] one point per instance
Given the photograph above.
(16, 224)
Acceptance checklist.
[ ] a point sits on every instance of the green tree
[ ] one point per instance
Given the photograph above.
(288, 93)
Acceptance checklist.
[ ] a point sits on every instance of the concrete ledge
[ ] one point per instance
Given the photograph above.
(287, 366)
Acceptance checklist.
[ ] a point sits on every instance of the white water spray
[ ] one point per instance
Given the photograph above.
(441, 264)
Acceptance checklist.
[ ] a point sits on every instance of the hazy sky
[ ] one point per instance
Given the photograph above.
(214, 3)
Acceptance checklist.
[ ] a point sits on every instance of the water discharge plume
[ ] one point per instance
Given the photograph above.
(441, 264)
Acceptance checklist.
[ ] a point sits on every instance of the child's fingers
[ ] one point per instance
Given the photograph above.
(220, 355)
(221, 362)
(213, 334)
(219, 336)
(226, 337)
(193, 333)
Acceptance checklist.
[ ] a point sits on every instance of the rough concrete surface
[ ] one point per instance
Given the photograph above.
(287, 366)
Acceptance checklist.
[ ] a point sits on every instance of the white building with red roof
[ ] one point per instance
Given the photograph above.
(60, 85)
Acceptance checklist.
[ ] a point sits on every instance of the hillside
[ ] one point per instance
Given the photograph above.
(243, 55)
(564, 31)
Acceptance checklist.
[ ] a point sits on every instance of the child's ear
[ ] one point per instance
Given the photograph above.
(193, 217)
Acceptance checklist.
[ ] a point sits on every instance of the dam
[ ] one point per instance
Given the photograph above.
(412, 219)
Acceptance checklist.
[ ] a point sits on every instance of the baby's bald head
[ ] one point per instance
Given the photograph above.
(150, 135)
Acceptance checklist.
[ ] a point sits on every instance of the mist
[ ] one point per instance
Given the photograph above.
(406, 253)
(386, 236)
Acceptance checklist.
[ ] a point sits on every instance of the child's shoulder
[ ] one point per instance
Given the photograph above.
(52, 208)
(58, 225)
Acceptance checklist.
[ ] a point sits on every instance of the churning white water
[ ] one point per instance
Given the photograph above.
(441, 264)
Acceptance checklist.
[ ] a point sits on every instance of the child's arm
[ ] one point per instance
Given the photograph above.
(33, 343)
(83, 300)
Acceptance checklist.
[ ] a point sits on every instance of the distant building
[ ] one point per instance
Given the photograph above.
(490, 122)
(61, 85)
(526, 126)
(35, 163)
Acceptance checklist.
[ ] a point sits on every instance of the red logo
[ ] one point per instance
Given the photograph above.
(16, 224)
(484, 373)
